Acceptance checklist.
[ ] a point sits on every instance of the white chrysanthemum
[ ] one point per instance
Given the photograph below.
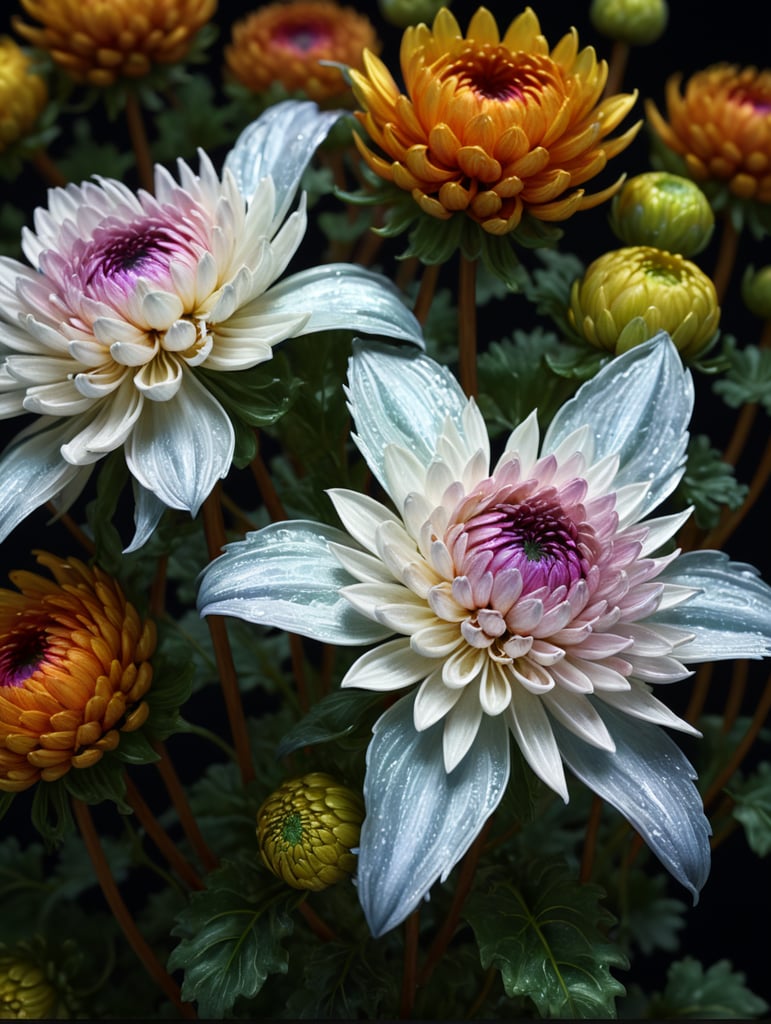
(129, 296)
(530, 599)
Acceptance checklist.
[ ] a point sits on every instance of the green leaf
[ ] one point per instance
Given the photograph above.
(753, 809)
(709, 483)
(172, 685)
(542, 931)
(111, 479)
(343, 982)
(718, 993)
(335, 716)
(748, 378)
(650, 919)
(225, 811)
(231, 936)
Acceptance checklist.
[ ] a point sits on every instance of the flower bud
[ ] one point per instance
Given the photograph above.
(663, 210)
(307, 828)
(637, 22)
(23, 95)
(756, 291)
(410, 12)
(628, 295)
(25, 992)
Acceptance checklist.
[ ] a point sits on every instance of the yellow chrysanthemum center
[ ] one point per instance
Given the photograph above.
(628, 295)
(721, 127)
(307, 828)
(73, 671)
(286, 42)
(489, 125)
(101, 41)
(23, 94)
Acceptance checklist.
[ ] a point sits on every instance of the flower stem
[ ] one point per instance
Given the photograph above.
(317, 925)
(467, 326)
(484, 992)
(214, 528)
(122, 914)
(176, 791)
(47, 169)
(743, 747)
(139, 143)
(410, 971)
(716, 538)
(735, 695)
(726, 258)
(426, 292)
(73, 529)
(699, 692)
(619, 58)
(748, 413)
(270, 497)
(160, 837)
(590, 840)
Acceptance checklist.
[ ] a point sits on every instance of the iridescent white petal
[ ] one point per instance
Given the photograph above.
(420, 821)
(650, 782)
(148, 510)
(390, 666)
(532, 731)
(264, 579)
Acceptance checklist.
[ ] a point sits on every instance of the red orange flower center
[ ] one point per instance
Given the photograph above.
(302, 37)
(495, 73)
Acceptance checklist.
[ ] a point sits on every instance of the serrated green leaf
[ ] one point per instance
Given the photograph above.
(104, 780)
(343, 982)
(542, 931)
(709, 483)
(231, 935)
(748, 378)
(337, 715)
(717, 993)
(650, 919)
(753, 808)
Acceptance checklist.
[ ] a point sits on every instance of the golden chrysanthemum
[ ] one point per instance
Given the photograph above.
(492, 126)
(720, 127)
(98, 42)
(23, 94)
(306, 830)
(284, 43)
(74, 671)
(626, 296)
(25, 992)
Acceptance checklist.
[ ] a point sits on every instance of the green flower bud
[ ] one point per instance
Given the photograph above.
(756, 291)
(637, 22)
(23, 94)
(410, 12)
(25, 992)
(306, 830)
(628, 295)
(663, 210)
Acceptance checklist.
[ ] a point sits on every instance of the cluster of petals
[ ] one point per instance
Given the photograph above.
(74, 670)
(299, 45)
(721, 127)
(100, 43)
(494, 127)
(128, 297)
(531, 598)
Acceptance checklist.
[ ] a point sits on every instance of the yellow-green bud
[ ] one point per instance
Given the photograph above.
(307, 828)
(23, 95)
(637, 22)
(756, 291)
(663, 210)
(410, 12)
(25, 992)
(628, 295)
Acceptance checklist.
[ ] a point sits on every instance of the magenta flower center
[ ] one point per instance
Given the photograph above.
(302, 38)
(21, 655)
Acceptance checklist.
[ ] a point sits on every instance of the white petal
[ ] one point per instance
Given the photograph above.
(533, 734)
(461, 726)
(360, 515)
(577, 714)
(639, 702)
(390, 666)
(523, 442)
(433, 700)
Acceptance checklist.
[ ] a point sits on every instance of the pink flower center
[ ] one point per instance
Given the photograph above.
(303, 37)
(21, 655)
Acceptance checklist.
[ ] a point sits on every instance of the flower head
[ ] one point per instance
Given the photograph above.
(628, 295)
(410, 12)
(489, 126)
(637, 22)
(131, 300)
(530, 599)
(23, 94)
(99, 42)
(307, 829)
(74, 669)
(756, 291)
(663, 210)
(285, 43)
(25, 991)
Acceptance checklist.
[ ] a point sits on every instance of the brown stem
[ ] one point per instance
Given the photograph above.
(619, 58)
(72, 528)
(47, 169)
(744, 745)
(590, 840)
(462, 888)
(161, 838)
(733, 702)
(139, 143)
(214, 528)
(406, 272)
(748, 413)
(726, 258)
(699, 692)
(467, 326)
(176, 792)
(426, 292)
(122, 914)
(716, 538)
(368, 247)
(268, 491)
(410, 969)
(484, 992)
(317, 925)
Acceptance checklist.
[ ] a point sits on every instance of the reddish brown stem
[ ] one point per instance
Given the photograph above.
(317, 925)
(139, 142)
(619, 58)
(47, 169)
(410, 969)
(268, 491)
(73, 529)
(122, 914)
(426, 292)
(716, 538)
(699, 692)
(743, 747)
(726, 258)
(161, 838)
(590, 840)
(176, 792)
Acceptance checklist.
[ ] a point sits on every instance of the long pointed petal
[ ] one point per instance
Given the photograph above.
(649, 780)
(638, 405)
(148, 510)
(420, 820)
(287, 576)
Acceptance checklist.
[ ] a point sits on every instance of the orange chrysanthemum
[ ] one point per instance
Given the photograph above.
(285, 42)
(73, 671)
(492, 126)
(99, 41)
(721, 127)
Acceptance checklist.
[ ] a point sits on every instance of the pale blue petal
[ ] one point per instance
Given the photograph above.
(279, 145)
(400, 396)
(638, 406)
(343, 296)
(32, 470)
(286, 576)
(148, 510)
(420, 820)
(731, 614)
(649, 781)
(179, 449)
